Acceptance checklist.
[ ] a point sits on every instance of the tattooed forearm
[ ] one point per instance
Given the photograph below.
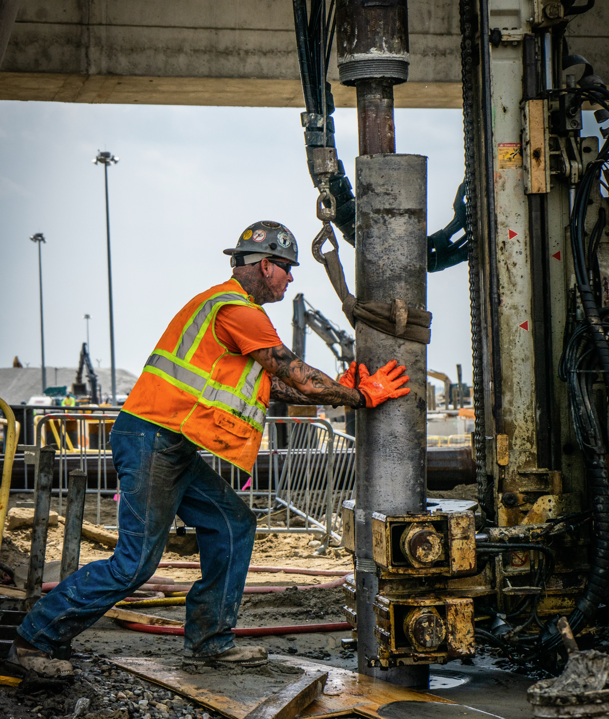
(309, 382)
(280, 391)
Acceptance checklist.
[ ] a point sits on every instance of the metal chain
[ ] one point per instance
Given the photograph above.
(467, 69)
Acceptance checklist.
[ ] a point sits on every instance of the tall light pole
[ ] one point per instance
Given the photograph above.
(87, 318)
(39, 238)
(106, 159)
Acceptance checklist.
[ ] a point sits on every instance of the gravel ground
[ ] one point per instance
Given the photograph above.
(104, 692)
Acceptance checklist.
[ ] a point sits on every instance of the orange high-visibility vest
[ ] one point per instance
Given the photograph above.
(193, 385)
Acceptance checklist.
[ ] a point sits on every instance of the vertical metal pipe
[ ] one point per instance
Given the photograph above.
(547, 58)
(391, 262)
(375, 116)
(110, 302)
(299, 326)
(329, 485)
(44, 368)
(75, 509)
(40, 528)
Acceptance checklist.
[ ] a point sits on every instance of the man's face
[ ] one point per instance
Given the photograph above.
(277, 279)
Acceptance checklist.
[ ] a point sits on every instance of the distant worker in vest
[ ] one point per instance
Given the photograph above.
(206, 385)
(68, 400)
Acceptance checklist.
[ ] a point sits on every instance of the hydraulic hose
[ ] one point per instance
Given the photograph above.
(156, 602)
(586, 422)
(175, 588)
(246, 631)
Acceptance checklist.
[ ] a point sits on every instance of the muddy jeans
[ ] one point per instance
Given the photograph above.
(160, 475)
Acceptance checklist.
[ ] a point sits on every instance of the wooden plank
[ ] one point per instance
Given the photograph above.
(289, 702)
(234, 694)
(95, 534)
(12, 592)
(128, 616)
(353, 691)
(345, 692)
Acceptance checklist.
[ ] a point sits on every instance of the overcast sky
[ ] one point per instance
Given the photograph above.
(189, 180)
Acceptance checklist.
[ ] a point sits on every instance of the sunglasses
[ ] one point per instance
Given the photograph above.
(285, 266)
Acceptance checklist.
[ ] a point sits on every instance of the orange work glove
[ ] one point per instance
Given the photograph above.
(384, 384)
(347, 379)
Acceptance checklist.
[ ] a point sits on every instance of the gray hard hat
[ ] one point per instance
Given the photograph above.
(265, 239)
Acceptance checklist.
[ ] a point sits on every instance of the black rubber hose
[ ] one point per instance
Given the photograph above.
(572, 9)
(586, 422)
(304, 52)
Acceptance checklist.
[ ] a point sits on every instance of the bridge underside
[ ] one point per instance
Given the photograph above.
(244, 92)
(204, 52)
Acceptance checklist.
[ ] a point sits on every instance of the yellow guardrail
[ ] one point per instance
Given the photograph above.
(458, 439)
(73, 434)
(10, 448)
(450, 440)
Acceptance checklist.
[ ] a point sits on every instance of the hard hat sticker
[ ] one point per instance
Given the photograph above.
(272, 225)
(284, 239)
(259, 235)
(247, 234)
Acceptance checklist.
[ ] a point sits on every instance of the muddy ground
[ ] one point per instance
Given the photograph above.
(114, 694)
(269, 549)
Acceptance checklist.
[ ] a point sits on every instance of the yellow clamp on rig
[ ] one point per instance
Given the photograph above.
(424, 562)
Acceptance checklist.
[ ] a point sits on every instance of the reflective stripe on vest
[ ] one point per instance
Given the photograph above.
(197, 325)
(176, 369)
(227, 400)
(191, 381)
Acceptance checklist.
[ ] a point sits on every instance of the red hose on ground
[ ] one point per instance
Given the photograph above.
(246, 631)
(47, 586)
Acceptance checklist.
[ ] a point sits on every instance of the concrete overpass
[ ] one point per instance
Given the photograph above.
(233, 52)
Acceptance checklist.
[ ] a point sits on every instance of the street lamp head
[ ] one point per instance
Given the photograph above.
(105, 158)
(86, 317)
(38, 237)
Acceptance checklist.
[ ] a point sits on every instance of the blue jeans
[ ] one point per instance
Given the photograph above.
(160, 475)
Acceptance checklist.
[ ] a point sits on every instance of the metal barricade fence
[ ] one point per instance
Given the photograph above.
(303, 473)
(300, 479)
(83, 442)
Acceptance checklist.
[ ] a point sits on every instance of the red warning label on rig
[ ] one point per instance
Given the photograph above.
(509, 155)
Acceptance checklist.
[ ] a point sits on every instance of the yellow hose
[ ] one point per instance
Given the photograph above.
(167, 602)
(10, 449)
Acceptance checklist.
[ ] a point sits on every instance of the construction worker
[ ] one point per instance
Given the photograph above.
(207, 384)
(68, 400)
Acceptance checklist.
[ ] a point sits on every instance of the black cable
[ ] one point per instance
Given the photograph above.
(586, 359)
(330, 30)
(572, 9)
(304, 54)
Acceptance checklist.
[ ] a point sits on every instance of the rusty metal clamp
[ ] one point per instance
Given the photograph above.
(326, 233)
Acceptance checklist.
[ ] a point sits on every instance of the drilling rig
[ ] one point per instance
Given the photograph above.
(428, 584)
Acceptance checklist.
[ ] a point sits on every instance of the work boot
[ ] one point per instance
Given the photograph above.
(236, 656)
(38, 661)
